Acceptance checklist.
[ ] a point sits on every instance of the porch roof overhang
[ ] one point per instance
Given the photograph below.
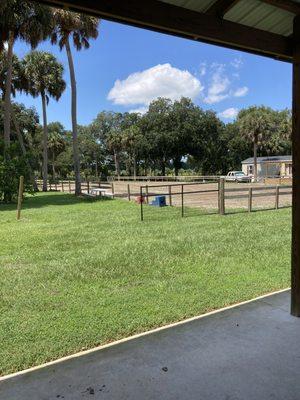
(261, 27)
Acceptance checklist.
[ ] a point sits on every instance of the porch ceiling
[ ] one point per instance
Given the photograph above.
(258, 26)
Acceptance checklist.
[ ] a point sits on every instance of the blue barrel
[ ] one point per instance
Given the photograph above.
(159, 201)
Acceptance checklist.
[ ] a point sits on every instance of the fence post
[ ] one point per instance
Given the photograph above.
(62, 186)
(170, 195)
(222, 196)
(141, 201)
(50, 186)
(147, 198)
(277, 197)
(250, 200)
(20, 197)
(99, 184)
(128, 192)
(88, 186)
(55, 185)
(113, 190)
(69, 186)
(182, 202)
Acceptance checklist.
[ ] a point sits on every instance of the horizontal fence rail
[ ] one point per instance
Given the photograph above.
(158, 178)
(223, 193)
(68, 186)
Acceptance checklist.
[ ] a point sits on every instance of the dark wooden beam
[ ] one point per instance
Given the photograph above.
(295, 278)
(287, 5)
(221, 7)
(166, 18)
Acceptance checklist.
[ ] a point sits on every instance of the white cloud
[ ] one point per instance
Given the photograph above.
(237, 63)
(140, 110)
(162, 80)
(241, 92)
(203, 68)
(219, 85)
(229, 113)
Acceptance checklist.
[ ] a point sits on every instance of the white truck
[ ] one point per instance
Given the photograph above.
(237, 176)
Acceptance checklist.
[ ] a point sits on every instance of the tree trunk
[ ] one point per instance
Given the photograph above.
(255, 159)
(134, 167)
(96, 168)
(7, 95)
(117, 164)
(53, 166)
(74, 121)
(163, 167)
(23, 149)
(45, 143)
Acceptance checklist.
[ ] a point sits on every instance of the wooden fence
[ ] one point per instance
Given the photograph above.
(68, 186)
(220, 192)
(158, 178)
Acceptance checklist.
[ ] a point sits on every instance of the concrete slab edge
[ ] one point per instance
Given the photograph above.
(164, 327)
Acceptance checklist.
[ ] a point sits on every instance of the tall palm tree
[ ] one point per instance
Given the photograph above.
(56, 143)
(45, 78)
(256, 125)
(23, 20)
(79, 28)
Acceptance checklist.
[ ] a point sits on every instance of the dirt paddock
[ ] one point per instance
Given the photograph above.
(263, 196)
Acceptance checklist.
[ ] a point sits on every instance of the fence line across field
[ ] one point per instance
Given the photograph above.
(223, 194)
(69, 185)
(186, 194)
(160, 178)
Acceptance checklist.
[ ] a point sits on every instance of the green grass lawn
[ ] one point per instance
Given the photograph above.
(75, 274)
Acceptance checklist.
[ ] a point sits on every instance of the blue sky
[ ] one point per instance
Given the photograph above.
(126, 67)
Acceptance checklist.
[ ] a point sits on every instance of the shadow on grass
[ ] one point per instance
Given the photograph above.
(51, 199)
(255, 210)
(151, 213)
(164, 213)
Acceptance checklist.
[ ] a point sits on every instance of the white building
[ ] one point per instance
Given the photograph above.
(269, 166)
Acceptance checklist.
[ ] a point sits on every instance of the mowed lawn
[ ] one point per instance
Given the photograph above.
(75, 274)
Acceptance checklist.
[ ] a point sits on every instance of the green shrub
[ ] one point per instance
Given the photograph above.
(11, 168)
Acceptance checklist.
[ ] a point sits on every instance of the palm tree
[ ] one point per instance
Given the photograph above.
(25, 21)
(114, 145)
(45, 78)
(80, 28)
(256, 125)
(132, 140)
(56, 143)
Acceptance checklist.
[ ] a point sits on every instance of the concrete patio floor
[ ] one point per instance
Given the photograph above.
(247, 352)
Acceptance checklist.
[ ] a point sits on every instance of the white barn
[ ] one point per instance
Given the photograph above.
(280, 166)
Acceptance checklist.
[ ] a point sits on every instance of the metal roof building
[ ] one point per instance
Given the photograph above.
(272, 159)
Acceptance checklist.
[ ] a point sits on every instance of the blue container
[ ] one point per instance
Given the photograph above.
(159, 201)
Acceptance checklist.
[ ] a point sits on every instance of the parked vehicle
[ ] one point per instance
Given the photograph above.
(237, 176)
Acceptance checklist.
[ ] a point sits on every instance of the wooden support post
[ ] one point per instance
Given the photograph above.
(182, 202)
(170, 195)
(128, 192)
(55, 185)
(222, 196)
(250, 200)
(277, 197)
(113, 190)
(141, 200)
(295, 270)
(20, 197)
(88, 186)
(62, 186)
(147, 195)
(69, 187)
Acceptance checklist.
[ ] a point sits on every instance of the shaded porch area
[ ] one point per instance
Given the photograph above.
(249, 351)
